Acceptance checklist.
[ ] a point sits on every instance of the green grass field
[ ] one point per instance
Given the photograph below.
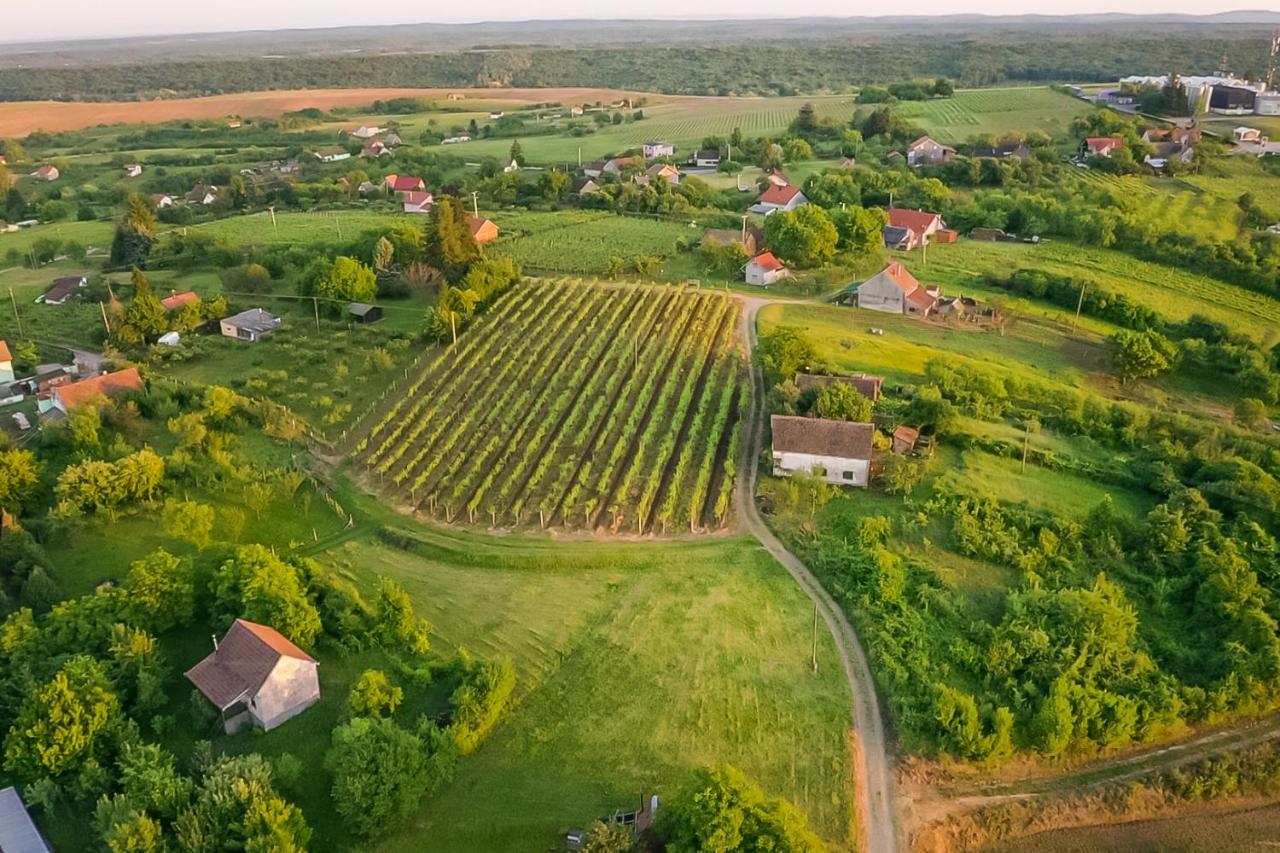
(993, 111)
(299, 227)
(1173, 205)
(582, 242)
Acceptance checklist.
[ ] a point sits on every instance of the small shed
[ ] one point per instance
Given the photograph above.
(363, 312)
(905, 438)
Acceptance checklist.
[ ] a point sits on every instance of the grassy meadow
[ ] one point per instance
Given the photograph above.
(975, 112)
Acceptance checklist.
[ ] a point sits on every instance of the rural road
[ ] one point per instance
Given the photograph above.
(875, 790)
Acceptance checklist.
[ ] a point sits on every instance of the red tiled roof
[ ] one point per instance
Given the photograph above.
(921, 298)
(820, 437)
(483, 230)
(768, 262)
(177, 300)
(918, 221)
(415, 198)
(404, 183)
(1104, 142)
(5, 355)
(242, 662)
(106, 385)
(779, 195)
(899, 275)
(907, 434)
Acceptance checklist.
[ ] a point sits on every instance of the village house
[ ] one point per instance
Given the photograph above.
(176, 300)
(18, 832)
(777, 198)
(404, 183)
(1012, 150)
(483, 230)
(894, 290)
(707, 158)
(63, 289)
(864, 383)
(653, 150)
(776, 178)
(251, 325)
(454, 140)
(909, 229)
(366, 131)
(374, 149)
(132, 170)
(1102, 146)
(665, 171)
(46, 173)
(513, 166)
(332, 154)
(589, 187)
(416, 202)
(927, 151)
(392, 139)
(160, 201)
(575, 111)
(257, 677)
(1246, 134)
(764, 269)
(838, 452)
(67, 396)
(617, 165)
(905, 438)
(6, 362)
(203, 195)
(1164, 153)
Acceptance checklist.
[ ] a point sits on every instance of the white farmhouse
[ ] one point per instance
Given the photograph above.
(764, 269)
(776, 198)
(893, 290)
(838, 452)
(658, 149)
(255, 676)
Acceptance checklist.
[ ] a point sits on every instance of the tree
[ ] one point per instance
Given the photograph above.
(64, 723)
(516, 154)
(783, 352)
(161, 590)
(383, 252)
(19, 474)
(721, 810)
(145, 319)
(396, 624)
(841, 402)
(191, 521)
(236, 808)
(604, 837)
(380, 773)
(804, 237)
(1140, 355)
(806, 121)
(1250, 412)
(348, 280)
(373, 695)
(861, 230)
(449, 244)
(259, 586)
(943, 87)
(554, 184)
(135, 233)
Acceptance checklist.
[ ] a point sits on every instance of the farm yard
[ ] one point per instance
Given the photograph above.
(974, 112)
(574, 405)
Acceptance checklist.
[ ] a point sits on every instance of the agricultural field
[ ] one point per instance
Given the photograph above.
(975, 112)
(1250, 830)
(1171, 204)
(299, 227)
(583, 242)
(574, 405)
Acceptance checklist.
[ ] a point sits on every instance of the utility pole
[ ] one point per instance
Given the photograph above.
(744, 229)
(815, 638)
(453, 327)
(1079, 305)
(315, 304)
(102, 309)
(16, 316)
(272, 211)
(1026, 439)
(475, 203)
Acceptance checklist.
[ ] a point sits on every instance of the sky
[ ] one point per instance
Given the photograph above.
(108, 18)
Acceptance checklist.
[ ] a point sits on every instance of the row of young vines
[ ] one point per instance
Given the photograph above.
(577, 405)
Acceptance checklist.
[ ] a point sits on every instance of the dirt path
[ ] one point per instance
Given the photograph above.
(875, 789)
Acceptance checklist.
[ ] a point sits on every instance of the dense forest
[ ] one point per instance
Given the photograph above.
(785, 68)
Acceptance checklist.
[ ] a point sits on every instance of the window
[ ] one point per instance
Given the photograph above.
(848, 475)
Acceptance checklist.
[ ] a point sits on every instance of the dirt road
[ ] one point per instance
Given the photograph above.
(876, 815)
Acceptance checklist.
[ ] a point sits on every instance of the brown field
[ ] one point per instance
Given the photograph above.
(1251, 830)
(18, 119)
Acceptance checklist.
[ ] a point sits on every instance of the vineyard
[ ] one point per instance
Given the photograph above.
(994, 111)
(582, 242)
(573, 405)
(1167, 205)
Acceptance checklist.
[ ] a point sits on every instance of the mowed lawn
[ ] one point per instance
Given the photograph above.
(636, 664)
(972, 112)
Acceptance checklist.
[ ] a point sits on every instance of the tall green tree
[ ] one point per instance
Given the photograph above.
(380, 773)
(145, 318)
(135, 233)
(63, 724)
(449, 244)
(805, 237)
(257, 585)
(721, 810)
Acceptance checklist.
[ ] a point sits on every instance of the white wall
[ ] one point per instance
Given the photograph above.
(836, 467)
(292, 687)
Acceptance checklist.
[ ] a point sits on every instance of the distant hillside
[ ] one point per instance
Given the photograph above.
(729, 57)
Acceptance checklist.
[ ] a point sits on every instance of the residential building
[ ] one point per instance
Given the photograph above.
(894, 290)
(927, 151)
(707, 158)
(417, 202)
(203, 195)
(838, 452)
(1102, 146)
(46, 173)
(160, 201)
(251, 325)
(67, 396)
(1015, 150)
(256, 676)
(6, 363)
(365, 131)
(617, 165)
(764, 269)
(920, 226)
(483, 230)
(750, 238)
(775, 177)
(374, 149)
(665, 171)
(653, 150)
(776, 198)
(18, 832)
(132, 170)
(176, 300)
(404, 183)
(589, 187)
(864, 383)
(63, 289)
(1164, 153)
(332, 154)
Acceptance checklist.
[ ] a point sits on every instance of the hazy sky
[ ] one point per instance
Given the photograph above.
(104, 18)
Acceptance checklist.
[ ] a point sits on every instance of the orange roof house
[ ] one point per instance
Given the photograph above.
(1102, 146)
(894, 290)
(67, 397)
(483, 230)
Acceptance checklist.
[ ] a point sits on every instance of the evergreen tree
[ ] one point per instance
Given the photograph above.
(145, 319)
(449, 244)
(135, 233)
